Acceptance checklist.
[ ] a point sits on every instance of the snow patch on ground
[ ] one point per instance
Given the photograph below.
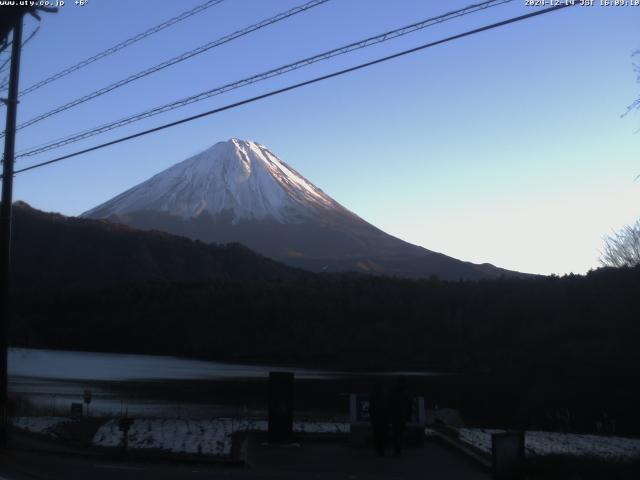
(49, 426)
(539, 444)
(479, 438)
(202, 437)
(321, 427)
(299, 426)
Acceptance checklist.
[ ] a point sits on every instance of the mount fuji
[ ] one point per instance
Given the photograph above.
(239, 191)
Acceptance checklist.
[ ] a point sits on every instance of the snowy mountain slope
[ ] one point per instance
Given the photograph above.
(244, 177)
(239, 191)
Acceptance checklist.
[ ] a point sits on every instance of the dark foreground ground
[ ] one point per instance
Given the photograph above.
(312, 460)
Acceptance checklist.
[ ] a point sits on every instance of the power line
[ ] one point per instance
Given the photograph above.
(6, 62)
(180, 58)
(121, 45)
(298, 85)
(4, 46)
(263, 76)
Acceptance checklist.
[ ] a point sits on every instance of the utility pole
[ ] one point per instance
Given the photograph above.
(5, 217)
(10, 20)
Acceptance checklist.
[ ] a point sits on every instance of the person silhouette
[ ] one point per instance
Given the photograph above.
(379, 418)
(400, 412)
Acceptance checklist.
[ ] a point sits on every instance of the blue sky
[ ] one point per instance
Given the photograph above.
(505, 147)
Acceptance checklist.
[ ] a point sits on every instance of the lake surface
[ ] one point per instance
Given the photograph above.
(93, 366)
(159, 386)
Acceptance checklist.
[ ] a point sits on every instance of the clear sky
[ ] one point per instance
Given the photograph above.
(505, 147)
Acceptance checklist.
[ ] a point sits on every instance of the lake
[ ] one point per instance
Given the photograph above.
(48, 381)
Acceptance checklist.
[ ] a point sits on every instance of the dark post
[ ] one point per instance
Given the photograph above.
(508, 455)
(5, 218)
(125, 425)
(280, 407)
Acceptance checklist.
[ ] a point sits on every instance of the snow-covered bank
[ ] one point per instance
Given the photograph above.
(202, 437)
(205, 437)
(49, 426)
(195, 436)
(539, 444)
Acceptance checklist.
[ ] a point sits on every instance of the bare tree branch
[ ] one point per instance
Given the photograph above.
(636, 68)
(622, 248)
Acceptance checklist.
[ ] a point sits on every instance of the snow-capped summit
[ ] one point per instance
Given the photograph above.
(239, 191)
(237, 175)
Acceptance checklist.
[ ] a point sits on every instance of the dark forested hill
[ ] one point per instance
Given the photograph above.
(99, 279)
(569, 342)
(51, 251)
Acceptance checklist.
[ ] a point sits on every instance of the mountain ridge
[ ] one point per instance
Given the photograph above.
(239, 191)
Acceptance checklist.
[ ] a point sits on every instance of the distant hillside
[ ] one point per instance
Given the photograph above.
(57, 252)
(570, 343)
